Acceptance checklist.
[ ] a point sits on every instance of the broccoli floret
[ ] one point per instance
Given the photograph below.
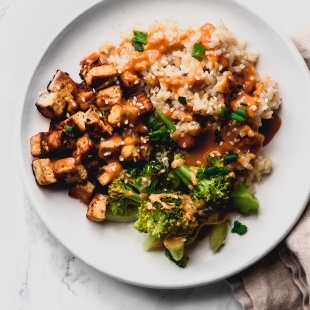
(123, 199)
(243, 201)
(167, 214)
(168, 181)
(126, 193)
(211, 186)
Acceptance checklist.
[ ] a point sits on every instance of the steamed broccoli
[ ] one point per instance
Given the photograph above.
(123, 199)
(211, 186)
(167, 214)
(243, 201)
(168, 217)
(126, 192)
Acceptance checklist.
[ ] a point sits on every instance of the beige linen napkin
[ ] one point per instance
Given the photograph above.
(281, 280)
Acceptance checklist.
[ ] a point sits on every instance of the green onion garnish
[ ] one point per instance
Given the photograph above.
(239, 114)
(239, 228)
(182, 100)
(68, 128)
(138, 40)
(212, 171)
(244, 104)
(223, 113)
(198, 52)
(230, 158)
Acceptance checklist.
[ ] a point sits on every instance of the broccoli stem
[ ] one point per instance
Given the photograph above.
(184, 173)
(165, 120)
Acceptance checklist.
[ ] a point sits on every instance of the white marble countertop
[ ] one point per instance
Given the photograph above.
(37, 272)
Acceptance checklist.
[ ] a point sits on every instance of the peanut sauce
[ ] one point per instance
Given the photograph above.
(270, 127)
(235, 137)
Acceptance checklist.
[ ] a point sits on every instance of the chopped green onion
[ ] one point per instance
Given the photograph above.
(212, 171)
(198, 52)
(182, 100)
(239, 228)
(138, 40)
(68, 128)
(223, 113)
(239, 114)
(230, 158)
(244, 104)
(241, 111)
(138, 46)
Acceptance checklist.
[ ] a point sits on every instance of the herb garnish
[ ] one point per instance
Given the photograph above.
(239, 228)
(198, 52)
(138, 40)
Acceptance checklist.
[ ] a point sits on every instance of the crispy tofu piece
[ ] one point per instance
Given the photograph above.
(99, 75)
(129, 79)
(69, 170)
(84, 95)
(76, 121)
(84, 147)
(110, 146)
(130, 152)
(95, 125)
(58, 98)
(50, 105)
(109, 96)
(43, 171)
(123, 115)
(135, 148)
(97, 207)
(141, 101)
(109, 172)
(51, 143)
(82, 191)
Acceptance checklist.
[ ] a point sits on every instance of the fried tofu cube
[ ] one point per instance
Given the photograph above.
(51, 143)
(69, 170)
(77, 120)
(109, 96)
(82, 191)
(50, 105)
(141, 101)
(99, 76)
(84, 147)
(129, 79)
(84, 95)
(43, 171)
(61, 82)
(109, 172)
(95, 125)
(130, 152)
(96, 210)
(109, 146)
(53, 103)
(123, 115)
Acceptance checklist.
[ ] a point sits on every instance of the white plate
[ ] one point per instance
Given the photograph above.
(115, 249)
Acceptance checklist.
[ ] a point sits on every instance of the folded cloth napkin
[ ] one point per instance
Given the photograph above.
(281, 280)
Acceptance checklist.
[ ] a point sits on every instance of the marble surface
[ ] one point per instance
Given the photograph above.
(36, 271)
